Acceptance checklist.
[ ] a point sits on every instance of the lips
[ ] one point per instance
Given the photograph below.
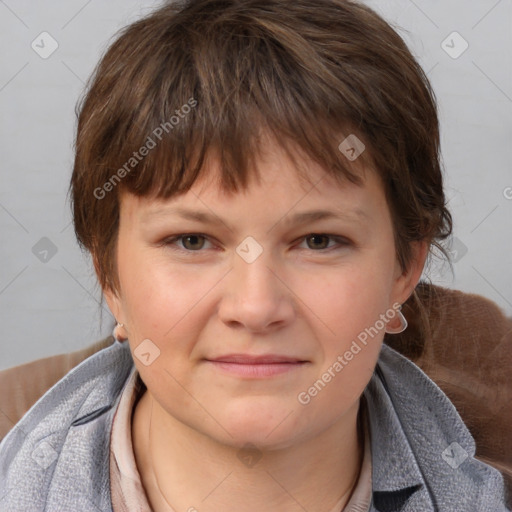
(250, 359)
(256, 367)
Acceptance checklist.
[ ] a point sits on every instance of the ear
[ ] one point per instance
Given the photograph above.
(406, 281)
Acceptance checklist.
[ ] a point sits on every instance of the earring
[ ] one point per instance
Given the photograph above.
(403, 324)
(114, 332)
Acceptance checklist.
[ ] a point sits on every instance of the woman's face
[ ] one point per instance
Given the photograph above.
(263, 325)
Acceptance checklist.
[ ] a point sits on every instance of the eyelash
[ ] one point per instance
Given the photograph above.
(341, 241)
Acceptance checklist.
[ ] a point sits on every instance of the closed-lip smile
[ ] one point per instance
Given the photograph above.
(256, 366)
(253, 359)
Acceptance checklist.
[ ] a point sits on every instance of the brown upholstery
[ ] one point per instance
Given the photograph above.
(467, 351)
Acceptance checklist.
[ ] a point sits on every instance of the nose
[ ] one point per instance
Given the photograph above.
(255, 297)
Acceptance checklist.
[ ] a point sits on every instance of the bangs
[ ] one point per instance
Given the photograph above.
(182, 156)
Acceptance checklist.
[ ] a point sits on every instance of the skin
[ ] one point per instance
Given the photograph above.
(304, 297)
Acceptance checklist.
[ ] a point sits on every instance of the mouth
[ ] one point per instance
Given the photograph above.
(248, 366)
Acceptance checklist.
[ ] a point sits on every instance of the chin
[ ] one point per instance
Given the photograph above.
(265, 426)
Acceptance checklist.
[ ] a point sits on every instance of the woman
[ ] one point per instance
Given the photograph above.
(259, 186)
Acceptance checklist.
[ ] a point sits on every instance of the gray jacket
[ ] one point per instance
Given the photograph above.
(57, 457)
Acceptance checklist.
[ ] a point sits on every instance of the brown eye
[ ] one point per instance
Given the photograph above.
(188, 243)
(193, 242)
(323, 244)
(317, 241)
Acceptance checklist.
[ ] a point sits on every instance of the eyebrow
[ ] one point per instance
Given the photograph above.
(357, 215)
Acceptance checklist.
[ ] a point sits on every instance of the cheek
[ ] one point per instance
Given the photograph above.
(160, 298)
(169, 308)
(169, 305)
(349, 307)
(347, 300)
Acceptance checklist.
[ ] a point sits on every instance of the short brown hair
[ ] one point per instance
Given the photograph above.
(306, 71)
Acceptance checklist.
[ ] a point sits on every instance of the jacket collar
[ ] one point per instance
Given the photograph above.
(396, 476)
(423, 455)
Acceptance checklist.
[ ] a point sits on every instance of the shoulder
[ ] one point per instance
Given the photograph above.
(58, 448)
(466, 350)
(420, 442)
(23, 385)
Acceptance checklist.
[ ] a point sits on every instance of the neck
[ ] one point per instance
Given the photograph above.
(182, 469)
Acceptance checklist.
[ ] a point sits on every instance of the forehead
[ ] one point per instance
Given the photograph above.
(276, 188)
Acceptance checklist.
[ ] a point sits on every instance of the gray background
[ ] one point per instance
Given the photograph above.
(49, 300)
